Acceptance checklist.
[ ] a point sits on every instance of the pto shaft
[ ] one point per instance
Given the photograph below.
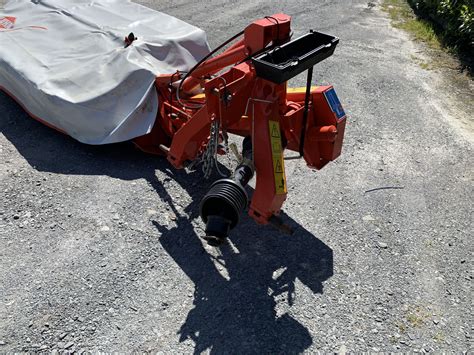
(227, 199)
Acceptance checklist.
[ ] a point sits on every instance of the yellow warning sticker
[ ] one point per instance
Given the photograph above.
(277, 154)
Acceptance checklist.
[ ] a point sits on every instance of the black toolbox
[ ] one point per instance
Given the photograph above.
(284, 62)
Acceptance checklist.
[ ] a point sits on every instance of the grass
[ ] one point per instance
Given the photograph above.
(417, 316)
(402, 327)
(402, 17)
(415, 320)
(439, 337)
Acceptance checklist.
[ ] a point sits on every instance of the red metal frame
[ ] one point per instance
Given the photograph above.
(245, 105)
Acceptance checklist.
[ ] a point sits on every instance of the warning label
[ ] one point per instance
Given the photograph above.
(275, 129)
(7, 23)
(277, 154)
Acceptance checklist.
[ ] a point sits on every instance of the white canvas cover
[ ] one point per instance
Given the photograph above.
(65, 61)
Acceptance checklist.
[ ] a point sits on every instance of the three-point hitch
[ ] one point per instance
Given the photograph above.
(243, 91)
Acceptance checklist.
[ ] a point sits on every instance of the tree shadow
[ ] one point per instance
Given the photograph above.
(240, 306)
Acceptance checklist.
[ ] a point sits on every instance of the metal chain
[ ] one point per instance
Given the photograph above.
(226, 149)
(211, 150)
(209, 157)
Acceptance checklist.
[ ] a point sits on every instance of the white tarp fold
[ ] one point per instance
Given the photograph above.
(65, 62)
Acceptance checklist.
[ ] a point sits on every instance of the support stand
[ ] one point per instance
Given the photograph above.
(309, 79)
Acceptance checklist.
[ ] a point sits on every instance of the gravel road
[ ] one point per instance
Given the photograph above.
(100, 247)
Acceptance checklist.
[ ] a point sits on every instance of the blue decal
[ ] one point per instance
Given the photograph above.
(334, 102)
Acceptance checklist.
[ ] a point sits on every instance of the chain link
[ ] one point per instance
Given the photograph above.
(209, 157)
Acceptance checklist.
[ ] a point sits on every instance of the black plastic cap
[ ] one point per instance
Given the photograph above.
(222, 206)
(217, 229)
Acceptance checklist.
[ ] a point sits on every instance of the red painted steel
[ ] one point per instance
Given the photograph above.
(245, 105)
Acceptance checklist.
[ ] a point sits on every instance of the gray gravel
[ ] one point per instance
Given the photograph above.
(100, 248)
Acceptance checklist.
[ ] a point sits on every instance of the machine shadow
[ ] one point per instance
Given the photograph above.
(242, 296)
(50, 151)
(241, 305)
(244, 289)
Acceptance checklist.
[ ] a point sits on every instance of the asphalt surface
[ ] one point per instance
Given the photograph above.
(100, 247)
